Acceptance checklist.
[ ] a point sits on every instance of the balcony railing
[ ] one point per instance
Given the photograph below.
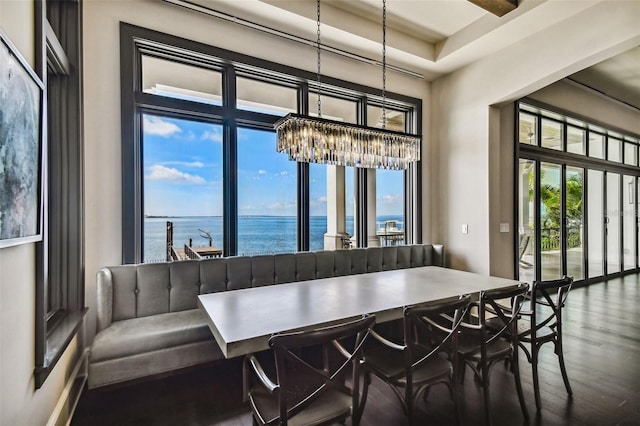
(550, 238)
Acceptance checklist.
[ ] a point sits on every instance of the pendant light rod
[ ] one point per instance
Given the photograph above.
(319, 50)
(384, 64)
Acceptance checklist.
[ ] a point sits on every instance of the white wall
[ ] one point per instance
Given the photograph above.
(472, 148)
(20, 403)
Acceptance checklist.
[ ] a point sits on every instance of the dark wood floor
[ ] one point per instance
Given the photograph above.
(602, 348)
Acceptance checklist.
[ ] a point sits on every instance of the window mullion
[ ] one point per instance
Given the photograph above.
(230, 164)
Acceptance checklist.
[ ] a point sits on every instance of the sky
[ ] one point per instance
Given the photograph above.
(182, 163)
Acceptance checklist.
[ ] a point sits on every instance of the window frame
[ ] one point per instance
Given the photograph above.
(60, 255)
(136, 40)
(538, 154)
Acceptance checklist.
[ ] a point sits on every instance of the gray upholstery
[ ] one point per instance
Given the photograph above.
(150, 333)
(148, 321)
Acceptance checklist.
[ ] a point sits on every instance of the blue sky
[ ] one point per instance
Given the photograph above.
(183, 174)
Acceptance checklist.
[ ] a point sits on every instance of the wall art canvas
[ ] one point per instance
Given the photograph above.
(21, 148)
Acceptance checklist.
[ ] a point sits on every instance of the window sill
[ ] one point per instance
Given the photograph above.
(57, 341)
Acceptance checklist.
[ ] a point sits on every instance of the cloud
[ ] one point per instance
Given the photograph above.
(166, 174)
(196, 164)
(284, 173)
(281, 206)
(392, 199)
(320, 202)
(277, 206)
(262, 172)
(214, 135)
(157, 126)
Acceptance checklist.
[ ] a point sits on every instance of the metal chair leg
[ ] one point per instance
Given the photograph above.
(485, 393)
(563, 369)
(516, 375)
(536, 383)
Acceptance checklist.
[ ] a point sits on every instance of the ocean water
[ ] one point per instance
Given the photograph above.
(256, 234)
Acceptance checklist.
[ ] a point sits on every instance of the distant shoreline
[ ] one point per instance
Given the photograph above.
(247, 215)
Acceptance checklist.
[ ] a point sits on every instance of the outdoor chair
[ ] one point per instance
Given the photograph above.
(481, 346)
(423, 358)
(522, 248)
(305, 393)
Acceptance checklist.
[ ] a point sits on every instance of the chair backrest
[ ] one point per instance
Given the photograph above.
(435, 326)
(542, 293)
(301, 382)
(490, 302)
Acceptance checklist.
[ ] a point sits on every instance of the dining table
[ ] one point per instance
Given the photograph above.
(242, 321)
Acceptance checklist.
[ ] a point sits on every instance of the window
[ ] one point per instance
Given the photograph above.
(551, 134)
(630, 153)
(59, 306)
(596, 145)
(390, 189)
(528, 129)
(614, 149)
(328, 186)
(259, 96)
(182, 186)
(266, 195)
(575, 140)
(202, 175)
(162, 77)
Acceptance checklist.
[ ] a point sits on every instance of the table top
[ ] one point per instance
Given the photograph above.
(243, 320)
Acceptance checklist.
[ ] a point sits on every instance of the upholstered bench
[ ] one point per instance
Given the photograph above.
(148, 322)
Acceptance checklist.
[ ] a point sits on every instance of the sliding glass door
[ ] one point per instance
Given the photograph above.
(612, 221)
(527, 212)
(574, 221)
(551, 221)
(629, 223)
(551, 256)
(595, 223)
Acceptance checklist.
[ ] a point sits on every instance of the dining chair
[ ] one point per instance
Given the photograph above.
(543, 324)
(423, 358)
(490, 337)
(308, 391)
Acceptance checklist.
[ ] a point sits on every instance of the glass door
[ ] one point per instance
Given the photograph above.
(612, 222)
(550, 221)
(527, 220)
(595, 223)
(574, 178)
(629, 223)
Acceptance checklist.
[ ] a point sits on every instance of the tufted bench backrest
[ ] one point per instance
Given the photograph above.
(131, 291)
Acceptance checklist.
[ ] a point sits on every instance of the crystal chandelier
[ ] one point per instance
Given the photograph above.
(318, 140)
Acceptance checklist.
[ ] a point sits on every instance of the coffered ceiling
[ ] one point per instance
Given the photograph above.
(431, 38)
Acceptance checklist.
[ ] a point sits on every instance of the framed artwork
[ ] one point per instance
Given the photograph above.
(21, 148)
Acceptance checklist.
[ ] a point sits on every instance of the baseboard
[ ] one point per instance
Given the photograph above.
(63, 412)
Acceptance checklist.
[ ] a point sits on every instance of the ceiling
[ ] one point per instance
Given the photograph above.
(429, 38)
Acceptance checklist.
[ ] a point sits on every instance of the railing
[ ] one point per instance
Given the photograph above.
(190, 253)
(174, 255)
(550, 238)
